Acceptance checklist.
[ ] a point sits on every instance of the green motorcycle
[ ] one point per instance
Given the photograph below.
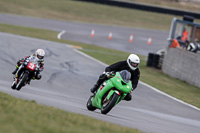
(111, 92)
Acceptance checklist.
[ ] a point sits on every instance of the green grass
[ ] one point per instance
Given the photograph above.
(87, 12)
(153, 77)
(22, 116)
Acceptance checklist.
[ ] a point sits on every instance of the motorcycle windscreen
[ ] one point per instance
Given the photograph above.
(126, 75)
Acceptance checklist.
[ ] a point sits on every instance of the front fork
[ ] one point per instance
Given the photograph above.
(15, 77)
(18, 73)
(112, 93)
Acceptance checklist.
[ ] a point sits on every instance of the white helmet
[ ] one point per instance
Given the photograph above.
(133, 61)
(39, 53)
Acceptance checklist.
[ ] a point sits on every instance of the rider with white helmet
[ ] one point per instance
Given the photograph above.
(131, 65)
(133, 61)
(39, 54)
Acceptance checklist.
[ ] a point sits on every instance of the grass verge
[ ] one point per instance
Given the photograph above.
(153, 77)
(71, 10)
(22, 116)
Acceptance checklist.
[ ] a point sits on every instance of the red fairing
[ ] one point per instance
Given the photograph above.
(31, 66)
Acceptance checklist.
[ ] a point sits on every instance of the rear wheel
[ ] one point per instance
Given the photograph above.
(89, 104)
(22, 81)
(109, 104)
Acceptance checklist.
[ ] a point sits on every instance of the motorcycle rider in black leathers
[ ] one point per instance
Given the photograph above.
(131, 65)
(39, 54)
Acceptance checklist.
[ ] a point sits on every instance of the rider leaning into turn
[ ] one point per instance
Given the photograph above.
(39, 54)
(131, 65)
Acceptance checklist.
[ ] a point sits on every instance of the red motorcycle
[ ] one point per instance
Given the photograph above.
(26, 72)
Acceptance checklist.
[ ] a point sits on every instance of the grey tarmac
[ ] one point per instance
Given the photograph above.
(68, 77)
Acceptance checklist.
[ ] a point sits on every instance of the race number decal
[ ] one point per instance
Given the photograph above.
(31, 66)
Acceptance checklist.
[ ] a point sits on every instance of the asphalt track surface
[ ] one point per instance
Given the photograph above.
(69, 75)
(81, 32)
(67, 78)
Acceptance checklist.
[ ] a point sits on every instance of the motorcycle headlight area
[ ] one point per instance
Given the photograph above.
(25, 63)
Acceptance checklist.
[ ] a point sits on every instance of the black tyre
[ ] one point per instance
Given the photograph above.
(89, 104)
(108, 105)
(22, 81)
(150, 59)
(13, 86)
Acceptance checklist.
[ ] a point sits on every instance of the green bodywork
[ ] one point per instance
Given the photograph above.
(109, 87)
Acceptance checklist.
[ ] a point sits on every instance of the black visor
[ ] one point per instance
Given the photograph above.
(40, 57)
(133, 64)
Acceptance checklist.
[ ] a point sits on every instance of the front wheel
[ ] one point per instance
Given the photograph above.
(109, 104)
(22, 81)
(13, 86)
(89, 104)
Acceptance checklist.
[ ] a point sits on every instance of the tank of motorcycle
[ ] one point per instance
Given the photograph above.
(118, 83)
(33, 60)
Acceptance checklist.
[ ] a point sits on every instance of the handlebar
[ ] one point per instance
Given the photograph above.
(110, 74)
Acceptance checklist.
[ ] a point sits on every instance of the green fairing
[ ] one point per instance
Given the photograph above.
(111, 86)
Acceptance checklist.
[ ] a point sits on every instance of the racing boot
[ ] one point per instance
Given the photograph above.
(14, 72)
(94, 88)
(38, 77)
(101, 79)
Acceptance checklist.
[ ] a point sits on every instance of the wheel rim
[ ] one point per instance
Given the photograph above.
(106, 102)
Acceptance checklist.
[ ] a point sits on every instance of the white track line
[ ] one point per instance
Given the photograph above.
(90, 57)
(60, 34)
(165, 94)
